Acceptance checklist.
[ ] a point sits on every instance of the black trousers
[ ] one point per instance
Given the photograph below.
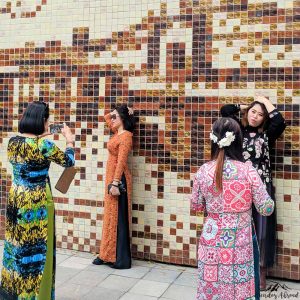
(123, 257)
(265, 228)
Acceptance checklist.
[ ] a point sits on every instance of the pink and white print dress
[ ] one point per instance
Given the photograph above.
(225, 253)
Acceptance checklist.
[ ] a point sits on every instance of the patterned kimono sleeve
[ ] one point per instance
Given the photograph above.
(51, 152)
(261, 199)
(197, 199)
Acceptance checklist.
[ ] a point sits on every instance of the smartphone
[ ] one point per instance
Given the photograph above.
(56, 128)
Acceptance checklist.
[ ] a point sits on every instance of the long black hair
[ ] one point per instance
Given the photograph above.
(127, 119)
(233, 151)
(34, 118)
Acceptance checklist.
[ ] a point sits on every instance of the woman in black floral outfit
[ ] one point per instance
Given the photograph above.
(261, 124)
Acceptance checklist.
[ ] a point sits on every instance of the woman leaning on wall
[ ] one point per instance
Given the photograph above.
(261, 124)
(115, 243)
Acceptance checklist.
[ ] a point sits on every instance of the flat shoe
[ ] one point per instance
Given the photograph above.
(97, 261)
(114, 266)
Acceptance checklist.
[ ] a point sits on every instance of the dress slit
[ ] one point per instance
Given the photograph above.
(123, 258)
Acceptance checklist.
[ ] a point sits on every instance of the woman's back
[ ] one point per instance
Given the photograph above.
(241, 187)
(225, 189)
(29, 165)
(225, 254)
(31, 158)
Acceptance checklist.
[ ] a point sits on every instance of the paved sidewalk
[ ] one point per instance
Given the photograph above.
(77, 278)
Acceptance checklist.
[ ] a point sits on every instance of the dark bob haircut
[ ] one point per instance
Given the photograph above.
(34, 118)
(127, 119)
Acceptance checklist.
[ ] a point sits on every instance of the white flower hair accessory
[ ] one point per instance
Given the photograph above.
(225, 141)
(213, 137)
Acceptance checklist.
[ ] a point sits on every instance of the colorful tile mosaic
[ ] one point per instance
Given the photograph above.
(176, 62)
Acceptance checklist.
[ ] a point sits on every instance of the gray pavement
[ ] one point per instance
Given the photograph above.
(78, 278)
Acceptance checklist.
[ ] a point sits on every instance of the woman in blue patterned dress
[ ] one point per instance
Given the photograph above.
(29, 249)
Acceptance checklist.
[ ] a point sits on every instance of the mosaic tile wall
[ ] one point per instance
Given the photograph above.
(176, 62)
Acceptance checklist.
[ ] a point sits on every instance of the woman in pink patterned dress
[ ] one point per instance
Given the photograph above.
(225, 189)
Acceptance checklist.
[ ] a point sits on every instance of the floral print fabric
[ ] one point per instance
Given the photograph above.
(28, 217)
(225, 252)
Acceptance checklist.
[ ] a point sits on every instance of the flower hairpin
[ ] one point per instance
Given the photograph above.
(225, 141)
(213, 137)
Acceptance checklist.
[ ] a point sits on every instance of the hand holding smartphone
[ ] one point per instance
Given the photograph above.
(56, 128)
(64, 130)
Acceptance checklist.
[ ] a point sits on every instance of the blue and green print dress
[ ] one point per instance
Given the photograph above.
(29, 251)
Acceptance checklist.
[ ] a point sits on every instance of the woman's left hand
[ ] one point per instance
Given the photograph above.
(261, 99)
(114, 191)
(266, 102)
(130, 111)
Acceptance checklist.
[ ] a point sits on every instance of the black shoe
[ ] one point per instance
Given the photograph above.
(97, 261)
(114, 266)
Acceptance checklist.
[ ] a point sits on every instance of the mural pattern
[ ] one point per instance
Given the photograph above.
(176, 62)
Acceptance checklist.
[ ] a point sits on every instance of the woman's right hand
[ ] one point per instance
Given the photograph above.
(67, 133)
(243, 106)
(114, 191)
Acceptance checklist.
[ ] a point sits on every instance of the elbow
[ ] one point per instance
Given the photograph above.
(223, 111)
(72, 163)
(197, 207)
(69, 162)
(119, 173)
(268, 209)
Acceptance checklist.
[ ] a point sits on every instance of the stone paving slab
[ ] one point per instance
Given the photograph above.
(99, 293)
(64, 274)
(130, 296)
(88, 278)
(149, 288)
(179, 292)
(72, 291)
(102, 270)
(162, 275)
(134, 272)
(60, 258)
(78, 279)
(120, 283)
(187, 279)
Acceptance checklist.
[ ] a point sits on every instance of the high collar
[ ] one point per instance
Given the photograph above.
(251, 129)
